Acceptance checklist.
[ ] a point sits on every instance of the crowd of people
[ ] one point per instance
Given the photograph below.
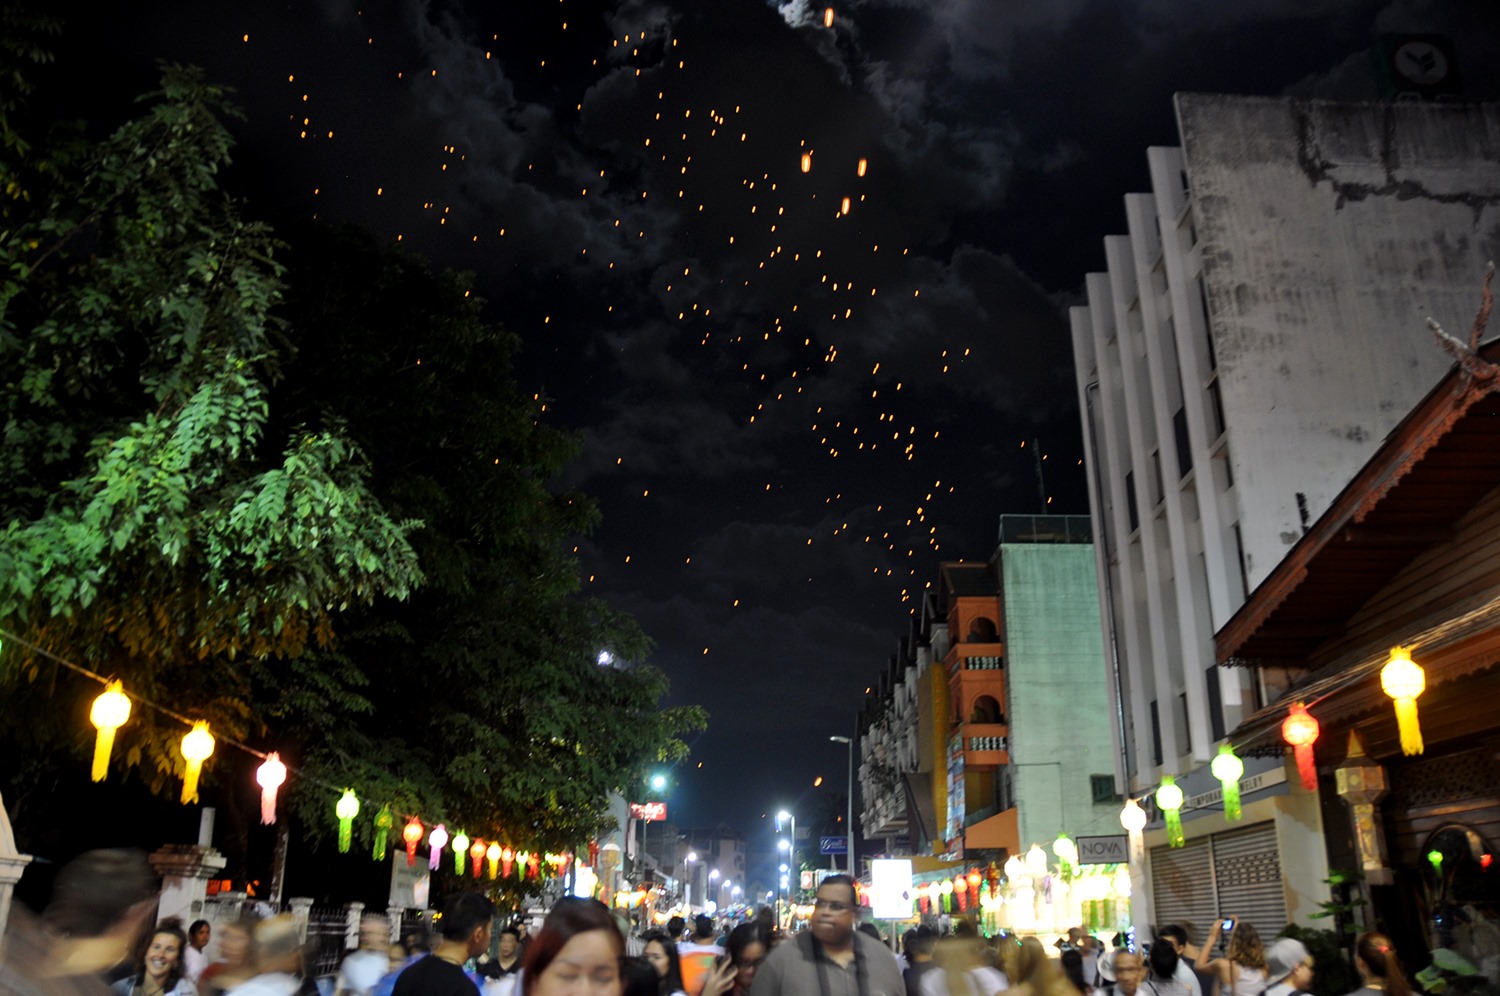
(97, 937)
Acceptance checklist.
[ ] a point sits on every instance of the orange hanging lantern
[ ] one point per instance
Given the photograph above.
(271, 776)
(493, 853)
(412, 835)
(197, 747)
(507, 858)
(476, 857)
(108, 713)
(1403, 680)
(1300, 730)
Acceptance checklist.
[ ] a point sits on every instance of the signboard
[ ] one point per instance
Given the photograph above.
(891, 888)
(648, 811)
(833, 845)
(1111, 850)
(953, 833)
(807, 878)
(409, 883)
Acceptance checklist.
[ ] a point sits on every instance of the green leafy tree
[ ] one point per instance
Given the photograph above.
(149, 526)
(481, 700)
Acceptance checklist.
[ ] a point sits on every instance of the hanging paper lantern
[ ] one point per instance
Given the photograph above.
(974, 880)
(493, 853)
(412, 835)
(383, 822)
(1133, 817)
(476, 857)
(523, 858)
(567, 859)
(1435, 858)
(1228, 768)
(271, 775)
(1169, 801)
(460, 850)
(1300, 729)
(108, 713)
(507, 856)
(346, 810)
(436, 841)
(534, 865)
(1065, 849)
(197, 747)
(1403, 680)
(961, 892)
(1014, 868)
(594, 853)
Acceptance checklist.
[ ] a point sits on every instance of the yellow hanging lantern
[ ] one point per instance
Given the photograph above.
(197, 747)
(1403, 680)
(1169, 800)
(108, 713)
(460, 849)
(270, 775)
(1227, 768)
(493, 854)
(346, 810)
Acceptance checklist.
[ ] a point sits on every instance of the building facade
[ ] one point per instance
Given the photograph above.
(1257, 333)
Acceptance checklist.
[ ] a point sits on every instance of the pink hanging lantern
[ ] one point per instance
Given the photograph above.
(436, 841)
(271, 775)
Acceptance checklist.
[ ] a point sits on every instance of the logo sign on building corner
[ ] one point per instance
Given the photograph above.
(1111, 850)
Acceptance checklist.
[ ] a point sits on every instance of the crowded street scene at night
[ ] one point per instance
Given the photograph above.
(749, 498)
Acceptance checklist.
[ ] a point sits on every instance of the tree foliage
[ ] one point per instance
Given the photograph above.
(484, 703)
(216, 445)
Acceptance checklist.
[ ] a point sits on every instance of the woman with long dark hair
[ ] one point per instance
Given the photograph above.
(1379, 969)
(661, 951)
(577, 950)
(743, 952)
(158, 970)
(1161, 972)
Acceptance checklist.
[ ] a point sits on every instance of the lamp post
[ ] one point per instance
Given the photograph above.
(849, 818)
(790, 847)
(687, 888)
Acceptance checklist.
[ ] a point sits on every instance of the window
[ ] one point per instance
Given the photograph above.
(1215, 703)
(1208, 334)
(1103, 788)
(1184, 452)
(1215, 408)
(1155, 733)
(1135, 516)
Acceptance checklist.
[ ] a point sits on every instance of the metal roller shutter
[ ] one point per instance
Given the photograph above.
(1247, 870)
(1182, 881)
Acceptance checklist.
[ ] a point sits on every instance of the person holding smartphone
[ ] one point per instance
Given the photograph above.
(1242, 970)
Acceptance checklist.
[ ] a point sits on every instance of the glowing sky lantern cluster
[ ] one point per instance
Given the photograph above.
(783, 225)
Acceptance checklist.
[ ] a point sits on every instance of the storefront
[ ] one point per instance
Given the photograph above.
(1405, 563)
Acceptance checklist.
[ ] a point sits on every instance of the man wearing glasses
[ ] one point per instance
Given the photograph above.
(831, 958)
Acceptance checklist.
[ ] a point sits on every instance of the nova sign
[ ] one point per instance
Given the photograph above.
(1111, 850)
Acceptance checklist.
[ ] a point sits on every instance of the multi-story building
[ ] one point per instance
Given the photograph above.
(1257, 333)
(991, 729)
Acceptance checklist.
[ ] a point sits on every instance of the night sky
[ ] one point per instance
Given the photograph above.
(795, 405)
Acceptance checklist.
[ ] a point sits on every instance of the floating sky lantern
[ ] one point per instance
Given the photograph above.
(807, 162)
(346, 810)
(1169, 801)
(1227, 768)
(108, 713)
(828, 17)
(1403, 680)
(864, 164)
(1300, 730)
(197, 747)
(411, 834)
(271, 775)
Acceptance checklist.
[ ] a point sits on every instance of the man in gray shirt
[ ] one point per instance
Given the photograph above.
(831, 958)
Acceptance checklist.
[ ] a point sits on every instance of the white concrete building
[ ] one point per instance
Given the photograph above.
(1257, 332)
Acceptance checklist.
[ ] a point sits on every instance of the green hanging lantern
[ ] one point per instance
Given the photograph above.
(1435, 858)
(1228, 768)
(1169, 800)
(382, 831)
(460, 851)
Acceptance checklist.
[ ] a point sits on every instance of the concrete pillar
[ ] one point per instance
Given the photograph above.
(12, 864)
(352, 914)
(300, 908)
(185, 870)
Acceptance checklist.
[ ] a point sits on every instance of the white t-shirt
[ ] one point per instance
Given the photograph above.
(361, 970)
(985, 980)
(193, 964)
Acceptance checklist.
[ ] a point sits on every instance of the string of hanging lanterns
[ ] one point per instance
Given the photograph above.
(113, 707)
(1402, 679)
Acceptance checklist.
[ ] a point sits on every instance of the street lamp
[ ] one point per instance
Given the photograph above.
(848, 742)
(789, 847)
